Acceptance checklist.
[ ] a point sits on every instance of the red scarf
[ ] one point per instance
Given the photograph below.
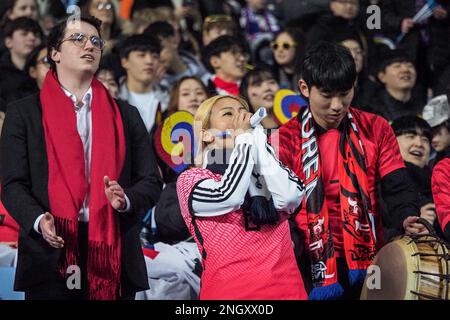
(67, 183)
(230, 87)
(356, 210)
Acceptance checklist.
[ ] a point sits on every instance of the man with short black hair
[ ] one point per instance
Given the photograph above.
(342, 154)
(140, 57)
(226, 58)
(400, 96)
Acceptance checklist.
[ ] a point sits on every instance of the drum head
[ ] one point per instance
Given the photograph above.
(390, 280)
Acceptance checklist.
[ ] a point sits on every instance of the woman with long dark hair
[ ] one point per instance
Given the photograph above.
(287, 49)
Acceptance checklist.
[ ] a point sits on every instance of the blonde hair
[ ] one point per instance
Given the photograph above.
(201, 122)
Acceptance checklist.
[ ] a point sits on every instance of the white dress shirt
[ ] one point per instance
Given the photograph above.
(83, 110)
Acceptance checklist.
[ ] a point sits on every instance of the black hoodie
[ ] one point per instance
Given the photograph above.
(14, 83)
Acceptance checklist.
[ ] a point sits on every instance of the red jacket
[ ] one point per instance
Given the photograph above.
(382, 157)
(440, 184)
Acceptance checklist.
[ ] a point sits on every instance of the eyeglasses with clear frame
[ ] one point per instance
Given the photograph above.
(238, 53)
(104, 6)
(80, 40)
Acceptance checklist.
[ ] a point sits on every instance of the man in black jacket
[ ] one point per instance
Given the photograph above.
(30, 152)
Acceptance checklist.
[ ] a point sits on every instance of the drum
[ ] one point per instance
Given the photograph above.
(409, 268)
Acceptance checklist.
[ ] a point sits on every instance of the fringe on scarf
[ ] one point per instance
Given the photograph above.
(103, 274)
(68, 230)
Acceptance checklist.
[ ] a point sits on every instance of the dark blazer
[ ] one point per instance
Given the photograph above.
(24, 177)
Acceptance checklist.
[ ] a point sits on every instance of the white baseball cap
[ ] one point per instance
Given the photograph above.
(437, 111)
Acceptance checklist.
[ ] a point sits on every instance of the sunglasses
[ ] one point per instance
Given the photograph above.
(80, 40)
(284, 45)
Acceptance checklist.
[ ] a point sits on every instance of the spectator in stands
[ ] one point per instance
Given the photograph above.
(155, 11)
(140, 57)
(240, 241)
(259, 87)
(20, 37)
(342, 18)
(71, 212)
(344, 155)
(177, 63)
(226, 58)
(399, 96)
(215, 26)
(259, 24)
(105, 74)
(288, 48)
(414, 139)
(437, 114)
(103, 10)
(186, 95)
(36, 67)
(365, 86)
(13, 9)
(397, 19)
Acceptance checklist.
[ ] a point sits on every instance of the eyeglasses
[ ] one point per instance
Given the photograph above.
(237, 53)
(284, 45)
(104, 6)
(80, 40)
(44, 61)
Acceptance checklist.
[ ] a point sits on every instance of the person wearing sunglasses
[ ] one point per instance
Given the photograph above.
(287, 49)
(77, 175)
(104, 11)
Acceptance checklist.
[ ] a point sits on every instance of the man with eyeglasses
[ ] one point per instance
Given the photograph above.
(77, 175)
(227, 59)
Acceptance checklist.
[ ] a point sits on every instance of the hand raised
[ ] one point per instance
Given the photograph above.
(47, 228)
(114, 193)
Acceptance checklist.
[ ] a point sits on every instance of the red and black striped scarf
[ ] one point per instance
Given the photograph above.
(356, 210)
(68, 184)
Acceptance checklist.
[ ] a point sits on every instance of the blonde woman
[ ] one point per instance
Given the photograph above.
(236, 209)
